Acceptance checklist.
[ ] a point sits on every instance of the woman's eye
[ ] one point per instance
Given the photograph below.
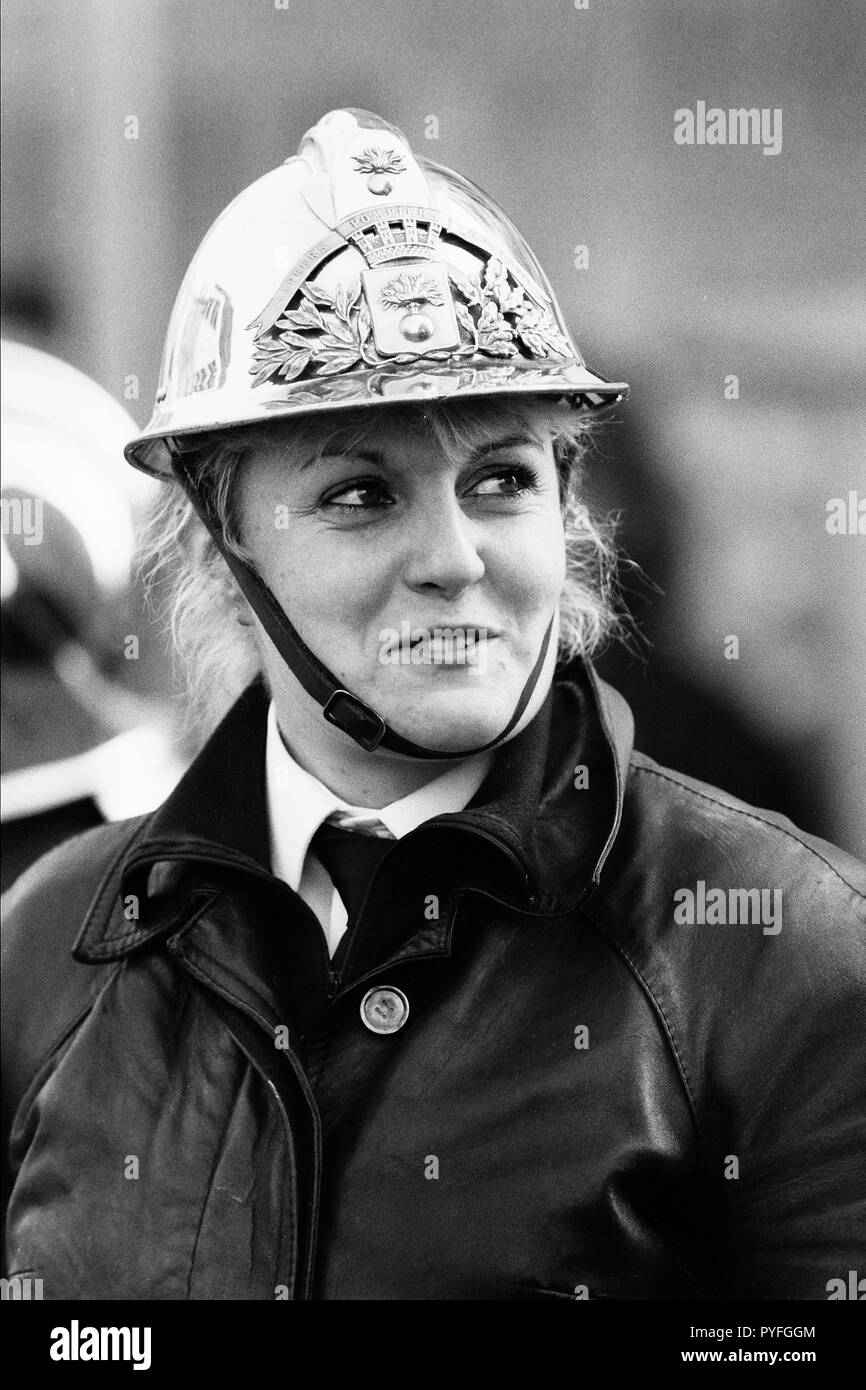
(506, 482)
(361, 494)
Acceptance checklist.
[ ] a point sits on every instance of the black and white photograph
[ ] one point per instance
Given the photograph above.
(434, 658)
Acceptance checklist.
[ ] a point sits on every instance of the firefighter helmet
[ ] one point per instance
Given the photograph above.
(354, 274)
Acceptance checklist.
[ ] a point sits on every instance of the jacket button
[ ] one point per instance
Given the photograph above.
(384, 1009)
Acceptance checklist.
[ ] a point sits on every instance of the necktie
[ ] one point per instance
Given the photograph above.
(350, 858)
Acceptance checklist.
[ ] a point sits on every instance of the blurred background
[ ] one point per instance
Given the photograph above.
(129, 126)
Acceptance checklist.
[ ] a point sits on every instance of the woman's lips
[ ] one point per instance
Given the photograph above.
(443, 644)
(462, 632)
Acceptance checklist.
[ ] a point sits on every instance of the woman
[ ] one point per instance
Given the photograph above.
(422, 984)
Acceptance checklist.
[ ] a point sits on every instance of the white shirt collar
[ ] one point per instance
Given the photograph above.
(298, 803)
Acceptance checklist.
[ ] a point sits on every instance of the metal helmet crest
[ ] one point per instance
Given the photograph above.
(358, 274)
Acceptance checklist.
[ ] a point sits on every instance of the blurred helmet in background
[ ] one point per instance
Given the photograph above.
(78, 743)
(69, 506)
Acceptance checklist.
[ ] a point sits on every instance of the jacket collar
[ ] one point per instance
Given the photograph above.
(546, 815)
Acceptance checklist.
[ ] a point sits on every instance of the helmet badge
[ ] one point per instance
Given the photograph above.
(412, 311)
(378, 164)
(412, 292)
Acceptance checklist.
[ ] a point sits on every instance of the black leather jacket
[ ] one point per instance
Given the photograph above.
(590, 1097)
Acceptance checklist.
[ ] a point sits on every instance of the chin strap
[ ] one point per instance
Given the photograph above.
(339, 706)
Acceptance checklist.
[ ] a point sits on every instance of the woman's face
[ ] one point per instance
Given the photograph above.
(424, 578)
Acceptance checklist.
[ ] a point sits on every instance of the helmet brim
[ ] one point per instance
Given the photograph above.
(582, 389)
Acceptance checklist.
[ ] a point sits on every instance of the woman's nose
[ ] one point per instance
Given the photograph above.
(442, 552)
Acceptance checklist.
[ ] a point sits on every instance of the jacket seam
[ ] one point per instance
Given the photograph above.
(218, 1154)
(236, 1001)
(62, 1037)
(231, 988)
(656, 1004)
(749, 815)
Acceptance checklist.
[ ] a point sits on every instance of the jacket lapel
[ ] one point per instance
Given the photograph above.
(535, 838)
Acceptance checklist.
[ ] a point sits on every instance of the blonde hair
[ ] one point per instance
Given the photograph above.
(191, 586)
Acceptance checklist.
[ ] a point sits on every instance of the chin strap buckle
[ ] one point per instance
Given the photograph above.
(356, 719)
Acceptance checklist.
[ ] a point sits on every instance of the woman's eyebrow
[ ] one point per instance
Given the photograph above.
(334, 454)
(511, 441)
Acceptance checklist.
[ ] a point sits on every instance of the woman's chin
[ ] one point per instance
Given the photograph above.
(452, 721)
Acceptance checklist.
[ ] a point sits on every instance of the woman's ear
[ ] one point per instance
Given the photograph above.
(240, 607)
(233, 597)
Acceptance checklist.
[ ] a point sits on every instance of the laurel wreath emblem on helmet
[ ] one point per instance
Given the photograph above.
(326, 334)
(374, 161)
